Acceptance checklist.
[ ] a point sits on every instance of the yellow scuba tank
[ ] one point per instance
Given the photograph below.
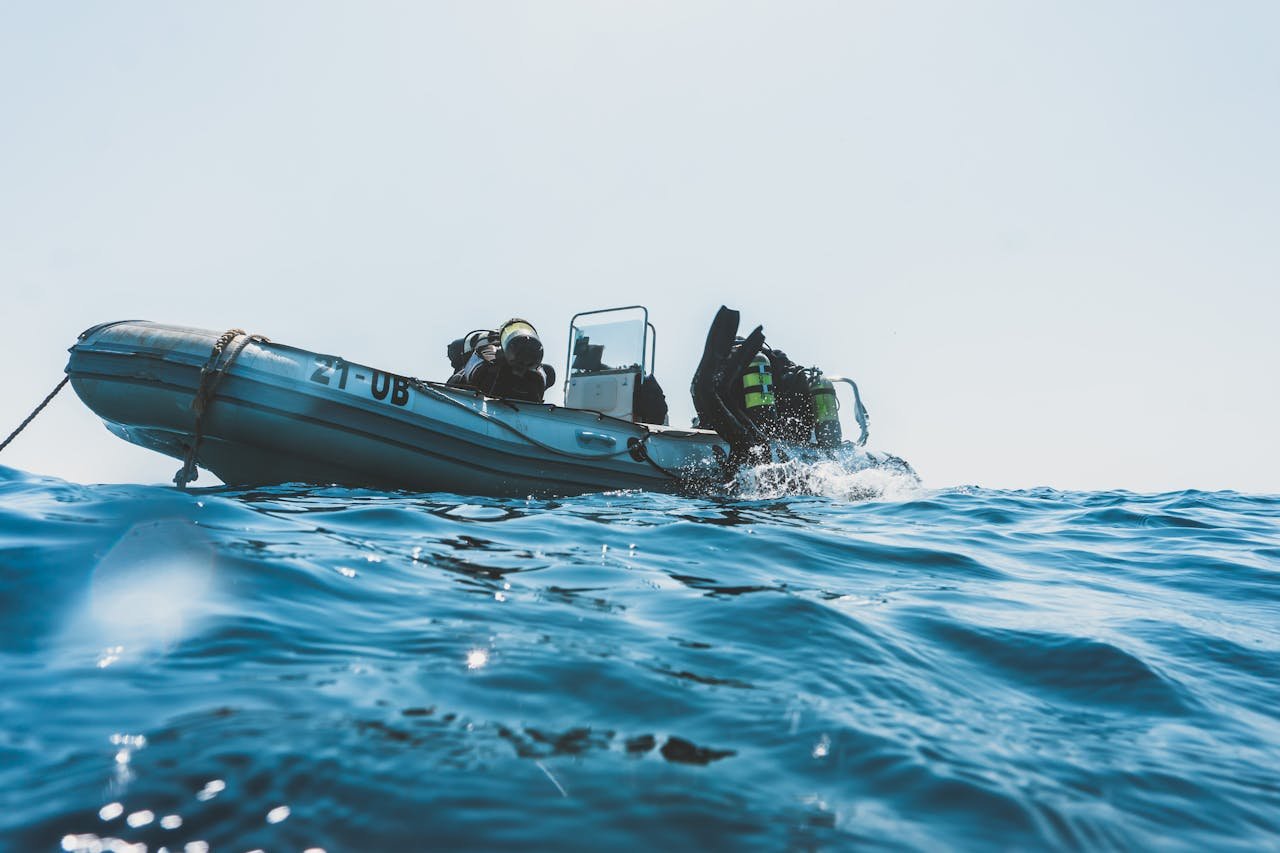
(520, 344)
(826, 410)
(757, 391)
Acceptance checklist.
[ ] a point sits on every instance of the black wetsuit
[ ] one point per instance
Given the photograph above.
(796, 418)
(497, 379)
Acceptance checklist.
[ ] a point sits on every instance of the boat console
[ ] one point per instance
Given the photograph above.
(611, 351)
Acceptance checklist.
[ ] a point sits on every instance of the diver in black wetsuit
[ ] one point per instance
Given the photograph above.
(506, 363)
(753, 395)
(788, 415)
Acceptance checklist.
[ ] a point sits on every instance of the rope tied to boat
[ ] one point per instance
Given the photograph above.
(635, 447)
(211, 375)
(37, 410)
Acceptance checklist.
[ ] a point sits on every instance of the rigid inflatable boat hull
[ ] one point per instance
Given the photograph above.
(281, 414)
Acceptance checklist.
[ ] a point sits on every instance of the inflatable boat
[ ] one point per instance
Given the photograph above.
(256, 412)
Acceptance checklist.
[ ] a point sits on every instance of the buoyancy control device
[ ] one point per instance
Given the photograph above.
(794, 399)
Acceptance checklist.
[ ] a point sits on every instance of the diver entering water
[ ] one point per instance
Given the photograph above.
(504, 363)
(753, 395)
(808, 410)
(782, 399)
(720, 393)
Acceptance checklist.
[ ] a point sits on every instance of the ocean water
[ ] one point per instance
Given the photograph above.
(879, 666)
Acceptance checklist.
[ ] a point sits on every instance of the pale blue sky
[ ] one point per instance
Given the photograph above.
(1042, 236)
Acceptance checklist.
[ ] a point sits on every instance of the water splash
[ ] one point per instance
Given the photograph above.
(850, 474)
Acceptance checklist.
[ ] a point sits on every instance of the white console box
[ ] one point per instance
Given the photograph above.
(610, 392)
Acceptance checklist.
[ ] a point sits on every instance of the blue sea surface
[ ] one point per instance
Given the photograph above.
(298, 667)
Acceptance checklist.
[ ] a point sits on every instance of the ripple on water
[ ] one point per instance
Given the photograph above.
(302, 667)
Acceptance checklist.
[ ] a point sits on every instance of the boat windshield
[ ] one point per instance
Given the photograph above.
(613, 339)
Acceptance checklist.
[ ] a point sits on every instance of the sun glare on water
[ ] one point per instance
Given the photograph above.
(147, 590)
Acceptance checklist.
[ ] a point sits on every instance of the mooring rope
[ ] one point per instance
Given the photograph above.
(210, 375)
(38, 409)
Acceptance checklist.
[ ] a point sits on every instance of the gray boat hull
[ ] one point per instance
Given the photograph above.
(281, 414)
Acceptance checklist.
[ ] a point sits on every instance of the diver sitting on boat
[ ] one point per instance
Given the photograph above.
(504, 363)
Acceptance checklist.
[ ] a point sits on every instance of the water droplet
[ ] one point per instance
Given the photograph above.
(822, 748)
(140, 818)
(111, 811)
(211, 789)
(84, 843)
(171, 821)
(477, 512)
(277, 814)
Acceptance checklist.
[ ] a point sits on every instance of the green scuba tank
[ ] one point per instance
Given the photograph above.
(757, 391)
(826, 410)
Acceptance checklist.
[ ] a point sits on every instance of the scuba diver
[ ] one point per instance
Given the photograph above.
(753, 396)
(805, 409)
(503, 363)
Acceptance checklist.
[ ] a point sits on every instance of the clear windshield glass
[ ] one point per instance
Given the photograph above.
(607, 340)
